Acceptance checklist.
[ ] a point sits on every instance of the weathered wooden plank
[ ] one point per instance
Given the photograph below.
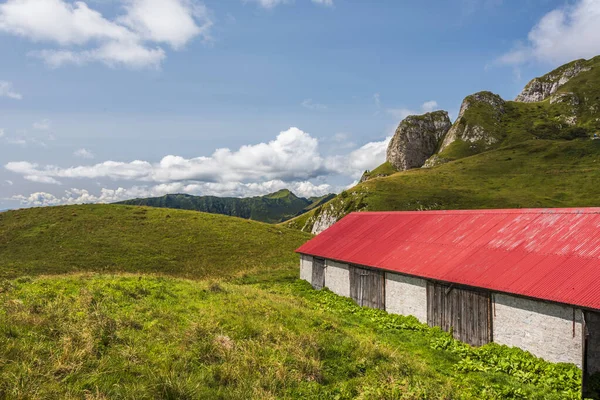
(464, 312)
(318, 273)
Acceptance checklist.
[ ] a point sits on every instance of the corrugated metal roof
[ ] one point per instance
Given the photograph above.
(550, 254)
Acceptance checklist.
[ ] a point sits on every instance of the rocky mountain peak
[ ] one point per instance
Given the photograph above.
(489, 105)
(541, 88)
(416, 139)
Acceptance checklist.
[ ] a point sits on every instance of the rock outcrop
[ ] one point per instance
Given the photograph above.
(416, 139)
(479, 127)
(541, 88)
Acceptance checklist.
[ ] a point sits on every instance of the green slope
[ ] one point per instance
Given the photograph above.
(537, 173)
(272, 208)
(572, 112)
(136, 337)
(140, 239)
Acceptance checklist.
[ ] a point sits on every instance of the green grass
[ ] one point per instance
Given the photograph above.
(518, 122)
(385, 169)
(537, 173)
(139, 337)
(115, 238)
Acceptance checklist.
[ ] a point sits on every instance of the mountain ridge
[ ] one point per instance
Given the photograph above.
(271, 208)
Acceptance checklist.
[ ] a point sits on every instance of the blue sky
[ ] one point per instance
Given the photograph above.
(111, 99)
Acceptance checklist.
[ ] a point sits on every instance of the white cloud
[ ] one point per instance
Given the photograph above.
(328, 3)
(6, 90)
(38, 199)
(292, 155)
(42, 125)
(308, 103)
(364, 158)
(1, 132)
(429, 106)
(269, 4)
(83, 153)
(401, 113)
(8, 182)
(562, 35)
(128, 40)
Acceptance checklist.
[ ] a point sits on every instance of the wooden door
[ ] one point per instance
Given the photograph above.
(591, 351)
(367, 287)
(467, 313)
(318, 273)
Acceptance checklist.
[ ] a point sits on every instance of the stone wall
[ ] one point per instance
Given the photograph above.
(306, 267)
(337, 277)
(544, 329)
(406, 295)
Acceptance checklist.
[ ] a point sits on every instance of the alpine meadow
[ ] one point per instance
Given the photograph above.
(299, 199)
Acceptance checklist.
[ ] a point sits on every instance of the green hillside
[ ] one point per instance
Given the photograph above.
(569, 113)
(272, 208)
(537, 173)
(539, 151)
(119, 238)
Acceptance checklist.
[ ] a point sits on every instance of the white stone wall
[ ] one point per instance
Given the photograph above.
(544, 329)
(306, 267)
(406, 295)
(337, 277)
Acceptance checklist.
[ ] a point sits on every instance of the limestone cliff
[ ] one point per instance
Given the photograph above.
(416, 139)
(543, 87)
(477, 125)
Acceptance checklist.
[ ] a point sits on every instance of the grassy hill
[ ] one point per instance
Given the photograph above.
(117, 238)
(87, 311)
(536, 173)
(137, 337)
(272, 208)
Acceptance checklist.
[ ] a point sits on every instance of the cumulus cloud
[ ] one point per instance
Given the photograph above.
(6, 90)
(84, 35)
(292, 155)
(364, 158)
(83, 153)
(562, 35)
(292, 160)
(311, 105)
(402, 113)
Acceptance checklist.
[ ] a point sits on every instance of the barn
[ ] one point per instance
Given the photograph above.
(528, 278)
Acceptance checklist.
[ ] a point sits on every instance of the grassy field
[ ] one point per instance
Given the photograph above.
(111, 238)
(139, 337)
(95, 304)
(536, 173)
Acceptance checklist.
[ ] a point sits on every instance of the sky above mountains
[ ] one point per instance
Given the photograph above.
(104, 100)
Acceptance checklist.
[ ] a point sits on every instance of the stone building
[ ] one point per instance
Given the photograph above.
(528, 278)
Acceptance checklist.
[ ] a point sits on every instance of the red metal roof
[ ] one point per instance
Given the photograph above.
(550, 254)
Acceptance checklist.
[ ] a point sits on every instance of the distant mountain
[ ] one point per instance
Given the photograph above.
(272, 208)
